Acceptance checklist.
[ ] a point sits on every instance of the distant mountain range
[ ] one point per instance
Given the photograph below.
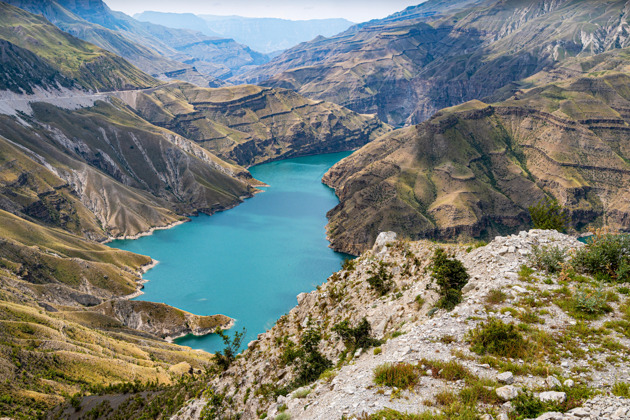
(163, 52)
(267, 35)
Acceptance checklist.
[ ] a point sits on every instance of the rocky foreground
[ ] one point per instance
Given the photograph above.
(573, 362)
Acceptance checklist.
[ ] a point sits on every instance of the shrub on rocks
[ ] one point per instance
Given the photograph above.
(549, 214)
(381, 279)
(451, 276)
(497, 338)
(400, 375)
(358, 337)
(548, 258)
(606, 257)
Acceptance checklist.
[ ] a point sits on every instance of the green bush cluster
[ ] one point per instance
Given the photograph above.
(605, 257)
(312, 362)
(548, 258)
(451, 276)
(358, 337)
(548, 214)
(381, 279)
(497, 338)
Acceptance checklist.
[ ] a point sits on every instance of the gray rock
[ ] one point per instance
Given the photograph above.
(503, 416)
(553, 396)
(506, 378)
(569, 383)
(507, 392)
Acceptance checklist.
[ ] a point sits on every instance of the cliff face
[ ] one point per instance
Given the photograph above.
(249, 125)
(407, 67)
(473, 170)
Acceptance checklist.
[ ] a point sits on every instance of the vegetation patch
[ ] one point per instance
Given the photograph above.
(606, 257)
(498, 338)
(549, 214)
(548, 258)
(358, 337)
(399, 375)
(380, 279)
(451, 276)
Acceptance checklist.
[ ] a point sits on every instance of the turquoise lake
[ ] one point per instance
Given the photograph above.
(250, 262)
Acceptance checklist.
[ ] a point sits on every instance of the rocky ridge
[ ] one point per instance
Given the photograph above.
(418, 335)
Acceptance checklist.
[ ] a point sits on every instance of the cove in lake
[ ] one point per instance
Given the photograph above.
(250, 262)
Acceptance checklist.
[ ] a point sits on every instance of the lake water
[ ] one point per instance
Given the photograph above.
(250, 262)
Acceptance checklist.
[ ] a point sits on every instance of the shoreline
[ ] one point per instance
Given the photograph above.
(145, 233)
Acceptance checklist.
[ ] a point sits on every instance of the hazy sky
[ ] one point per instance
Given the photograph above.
(354, 10)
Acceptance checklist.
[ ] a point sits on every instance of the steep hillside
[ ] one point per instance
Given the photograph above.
(473, 170)
(407, 67)
(86, 65)
(248, 125)
(352, 350)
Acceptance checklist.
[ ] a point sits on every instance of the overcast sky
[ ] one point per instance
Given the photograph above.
(353, 10)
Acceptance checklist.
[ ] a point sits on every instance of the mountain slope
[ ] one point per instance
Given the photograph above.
(157, 50)
(249, 125)
(406, 68)
(473, 170)
(85, 64)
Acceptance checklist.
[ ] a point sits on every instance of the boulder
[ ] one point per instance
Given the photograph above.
(553, 396)
(507, 393)
(506, 378)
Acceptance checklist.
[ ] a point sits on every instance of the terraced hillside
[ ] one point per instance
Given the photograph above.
(248, 125)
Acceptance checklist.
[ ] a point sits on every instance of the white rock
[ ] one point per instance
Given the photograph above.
(553, 396)
(552, 382)
(552, 415)
(503, 416)
(382, 240)
(507, 392)
(506, 378)
(569, 383)
(579, 412)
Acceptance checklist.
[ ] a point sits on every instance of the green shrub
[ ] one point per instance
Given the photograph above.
(497, 338)
(380, 280)
(605, 257)
(358, 337)
(349, 264)
(400, 375)
(225, 357)
(312, 362)
(451, 276)
(591, 302)
(496, 297)
(548, 214)
(548, 258)
(621, 389)
(525, 273)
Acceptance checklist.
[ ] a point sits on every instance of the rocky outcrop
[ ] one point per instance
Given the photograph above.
(416, 334)
(162, 320)
(473, 170)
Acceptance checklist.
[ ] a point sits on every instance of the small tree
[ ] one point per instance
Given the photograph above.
(451, 276)
(225, 357)
(548, 214)
(358, 337)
